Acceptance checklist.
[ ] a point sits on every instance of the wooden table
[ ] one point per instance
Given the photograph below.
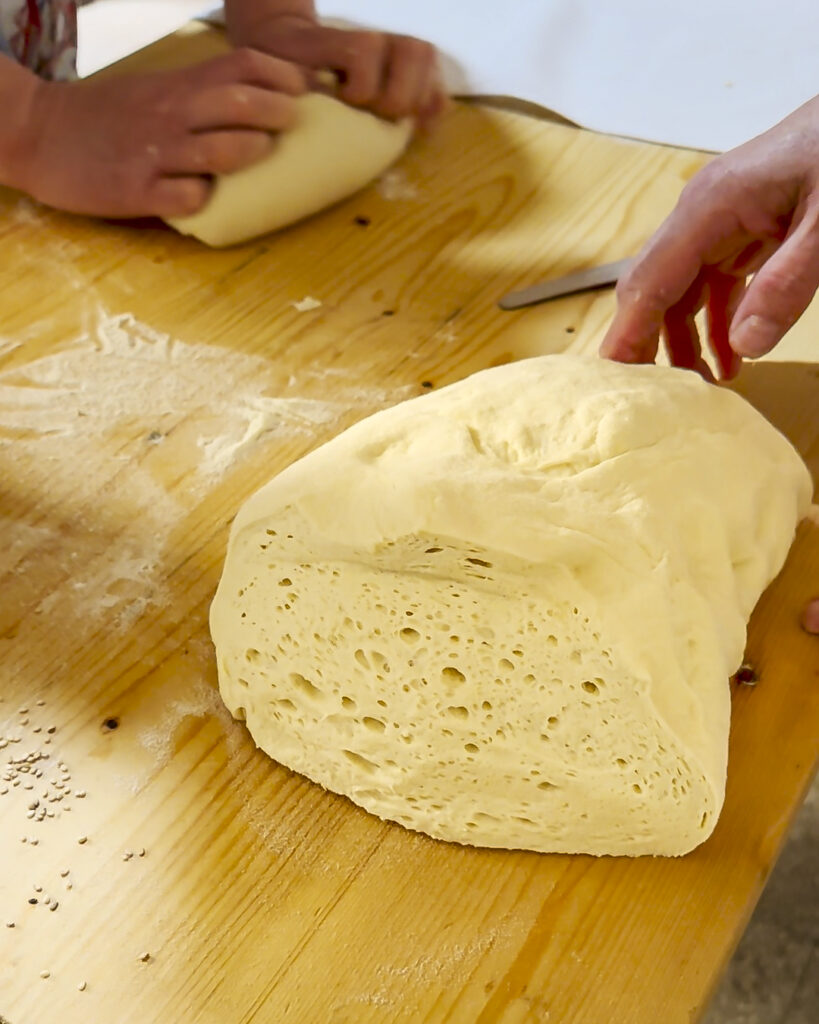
(147, 386)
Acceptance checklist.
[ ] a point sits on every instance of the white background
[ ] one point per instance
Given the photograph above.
(702, 73)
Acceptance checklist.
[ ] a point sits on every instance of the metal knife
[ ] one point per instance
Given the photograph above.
(582, 281)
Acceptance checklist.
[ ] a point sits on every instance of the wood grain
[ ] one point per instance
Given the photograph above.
(148, 385)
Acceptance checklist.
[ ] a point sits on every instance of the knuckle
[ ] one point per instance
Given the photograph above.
(222, 156)
(633, 292)
(237, 150)
(290, 77)
(163, 105)
(720, 182)
(626, 287)
(199, 157)
(245, 60)
(369, 45)
(417, 49)
(775, 294)
(239, 96)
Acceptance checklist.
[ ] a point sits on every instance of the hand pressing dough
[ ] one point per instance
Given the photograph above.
(505, 614)
(333, 151)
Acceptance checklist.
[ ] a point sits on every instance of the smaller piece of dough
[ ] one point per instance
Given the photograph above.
(333, 151)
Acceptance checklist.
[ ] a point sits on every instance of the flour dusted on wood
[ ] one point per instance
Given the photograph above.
(93, 422)
(506, 613)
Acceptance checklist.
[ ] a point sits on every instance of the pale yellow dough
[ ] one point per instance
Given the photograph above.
(333, 151)
(506, 613)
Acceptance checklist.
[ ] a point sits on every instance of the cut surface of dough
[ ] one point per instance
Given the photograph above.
(333, 151)
(505, 613)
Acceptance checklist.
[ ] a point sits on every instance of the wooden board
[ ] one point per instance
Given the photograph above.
(147, 385)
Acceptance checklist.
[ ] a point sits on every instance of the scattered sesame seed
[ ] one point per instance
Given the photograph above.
(144, 957)
(54, 905)
(51, 730)
(9, 924)
(80, 794)
(69, 886)
(40, 703)
(23, 711)
(38, 888)
(65, 872)
(34, 842)
(127, 855)
(82, 840)
(45, 974)
(82, 986)
(33, 900)
(47, 900)
(142, 852)
(23, 721)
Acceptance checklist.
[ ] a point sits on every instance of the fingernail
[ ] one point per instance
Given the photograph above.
(754, 336)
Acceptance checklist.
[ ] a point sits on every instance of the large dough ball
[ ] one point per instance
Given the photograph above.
(506, 613)
(333, 151)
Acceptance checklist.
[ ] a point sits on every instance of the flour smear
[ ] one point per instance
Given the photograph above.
(125, 430)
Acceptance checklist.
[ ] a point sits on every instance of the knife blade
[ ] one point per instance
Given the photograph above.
(581, 281)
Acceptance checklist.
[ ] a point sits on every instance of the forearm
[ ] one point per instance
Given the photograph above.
(17, 88)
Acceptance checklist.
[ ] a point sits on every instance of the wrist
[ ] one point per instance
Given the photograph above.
(19, 96)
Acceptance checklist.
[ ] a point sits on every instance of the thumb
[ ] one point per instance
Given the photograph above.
(780, 291)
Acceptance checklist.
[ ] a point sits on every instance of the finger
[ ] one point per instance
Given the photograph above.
(435, 99)
(694, 235)
(357, 57)
(680, 330)
(810, 618)
(435, 105)
(215, 152)
(409, 66)
(634, 335)
(682, 340)
(362, 66)
(237, 105)
(254, 68)
(177, 197)
(657, 280)
(724, 292)
(780, 291)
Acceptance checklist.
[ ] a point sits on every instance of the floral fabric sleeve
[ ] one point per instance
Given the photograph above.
(41, 35)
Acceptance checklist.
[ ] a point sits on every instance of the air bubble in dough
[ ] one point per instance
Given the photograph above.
(506, 613)
(333, 151)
